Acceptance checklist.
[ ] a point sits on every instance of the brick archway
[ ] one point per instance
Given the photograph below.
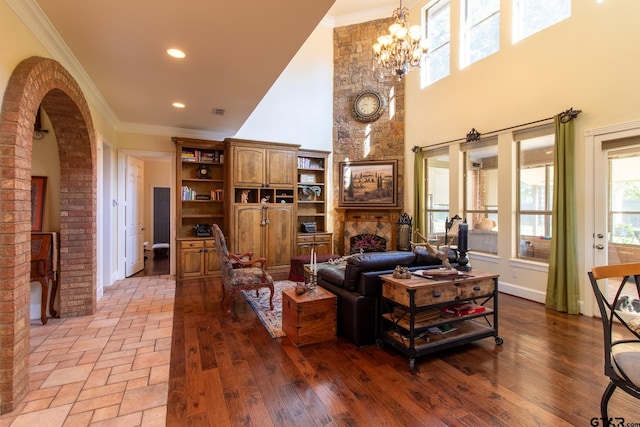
(40, 81)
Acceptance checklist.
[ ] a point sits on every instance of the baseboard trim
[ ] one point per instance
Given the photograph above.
(519, 291)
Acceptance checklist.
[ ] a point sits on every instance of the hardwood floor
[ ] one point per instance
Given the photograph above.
(154, 265)
(228, 371)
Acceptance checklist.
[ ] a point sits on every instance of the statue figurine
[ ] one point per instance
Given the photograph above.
(244, 197)
(401, 272)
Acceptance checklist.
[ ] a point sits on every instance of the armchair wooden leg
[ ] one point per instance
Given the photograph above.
(271, 297)
(227, 300)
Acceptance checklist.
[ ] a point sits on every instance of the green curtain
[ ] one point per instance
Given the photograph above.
(562, 281)
(418, 193)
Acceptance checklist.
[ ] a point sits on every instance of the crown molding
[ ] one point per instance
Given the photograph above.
(124, 127)
(37, 22)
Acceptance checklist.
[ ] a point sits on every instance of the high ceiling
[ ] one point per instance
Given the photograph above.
(121, 45)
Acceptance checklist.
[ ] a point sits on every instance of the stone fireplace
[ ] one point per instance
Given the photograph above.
(374, 227)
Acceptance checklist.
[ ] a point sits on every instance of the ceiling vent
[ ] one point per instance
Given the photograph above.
(218, 112)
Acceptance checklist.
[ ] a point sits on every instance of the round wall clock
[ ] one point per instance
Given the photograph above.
(368, 106)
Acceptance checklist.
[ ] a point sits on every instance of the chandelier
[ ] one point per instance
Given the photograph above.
(401, 50)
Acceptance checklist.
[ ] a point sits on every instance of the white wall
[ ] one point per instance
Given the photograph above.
(298, 109)
(588, 61)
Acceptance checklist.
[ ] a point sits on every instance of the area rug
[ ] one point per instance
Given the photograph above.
(271, 319)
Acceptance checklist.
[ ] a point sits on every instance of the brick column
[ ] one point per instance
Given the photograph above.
(37, 81)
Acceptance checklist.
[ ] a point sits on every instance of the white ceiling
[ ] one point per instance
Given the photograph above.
(121, 45)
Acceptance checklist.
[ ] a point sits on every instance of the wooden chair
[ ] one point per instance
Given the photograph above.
(621, 332)
(248, 277)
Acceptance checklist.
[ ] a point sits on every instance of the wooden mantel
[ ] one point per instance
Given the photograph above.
(386, 215)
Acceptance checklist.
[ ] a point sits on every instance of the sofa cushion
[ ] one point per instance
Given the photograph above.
(335, 276)
(374, 261)
(424, 258)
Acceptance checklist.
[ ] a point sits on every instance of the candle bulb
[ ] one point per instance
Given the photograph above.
(463, 235)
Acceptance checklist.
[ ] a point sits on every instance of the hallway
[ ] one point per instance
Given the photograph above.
(109, 369)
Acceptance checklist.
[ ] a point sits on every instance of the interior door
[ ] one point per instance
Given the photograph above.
(161, 215)
(617, 207)
(134, 218)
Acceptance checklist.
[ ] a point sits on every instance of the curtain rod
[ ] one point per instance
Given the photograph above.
(474, 135)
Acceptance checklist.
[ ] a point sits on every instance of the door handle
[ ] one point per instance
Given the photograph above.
(599, 246)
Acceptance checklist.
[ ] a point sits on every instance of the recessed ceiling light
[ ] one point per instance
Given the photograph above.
(178, 105)
(176, 53)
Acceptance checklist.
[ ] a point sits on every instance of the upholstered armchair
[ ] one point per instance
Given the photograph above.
(245, 276)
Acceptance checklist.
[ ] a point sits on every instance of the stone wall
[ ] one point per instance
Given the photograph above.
(382, 139)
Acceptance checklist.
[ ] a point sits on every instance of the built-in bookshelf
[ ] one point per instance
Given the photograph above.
(201, 179)
(200, 204)
(312, 203)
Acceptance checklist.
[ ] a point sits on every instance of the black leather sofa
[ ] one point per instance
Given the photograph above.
(359, 288)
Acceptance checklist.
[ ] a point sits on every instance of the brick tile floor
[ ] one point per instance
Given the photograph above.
(109, 369)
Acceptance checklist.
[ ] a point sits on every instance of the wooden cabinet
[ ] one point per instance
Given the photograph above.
(322, 242)
(197, 258)
(266, 230)
(200, 174)
(254, 166)
(312, 202)
(261, 202)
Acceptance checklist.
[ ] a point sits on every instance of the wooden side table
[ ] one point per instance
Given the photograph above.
(309, 318)
(413, 319)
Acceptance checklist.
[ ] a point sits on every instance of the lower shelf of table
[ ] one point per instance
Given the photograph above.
(467, 331)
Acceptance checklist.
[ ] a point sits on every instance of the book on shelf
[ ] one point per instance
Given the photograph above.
(308, 163)
(203, 156)
(463, 309)
(188, 156)
(442, 329)
(217, 194)
(188, 193)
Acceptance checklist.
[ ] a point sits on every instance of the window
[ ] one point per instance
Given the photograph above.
(624, 199)
(438, 32)
(480, 30)
(481, 197)
(535, 197)
(437, 212)
(531, 16)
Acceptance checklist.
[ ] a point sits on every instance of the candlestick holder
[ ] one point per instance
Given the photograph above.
(313, 282)
(463, 261)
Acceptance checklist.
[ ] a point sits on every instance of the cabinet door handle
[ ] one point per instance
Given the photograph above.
(436, 294)
(191, 245)
(476, 288)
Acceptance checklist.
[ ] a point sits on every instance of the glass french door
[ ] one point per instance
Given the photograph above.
(617, 216)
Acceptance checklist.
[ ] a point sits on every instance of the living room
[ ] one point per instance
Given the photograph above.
(555, 71)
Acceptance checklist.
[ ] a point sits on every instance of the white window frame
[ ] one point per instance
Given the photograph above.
(434, 9)
(522, 13)
(469, 212)
(466, 29)
(526, 248)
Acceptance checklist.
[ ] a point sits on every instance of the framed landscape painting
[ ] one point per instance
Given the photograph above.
(371, 183)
